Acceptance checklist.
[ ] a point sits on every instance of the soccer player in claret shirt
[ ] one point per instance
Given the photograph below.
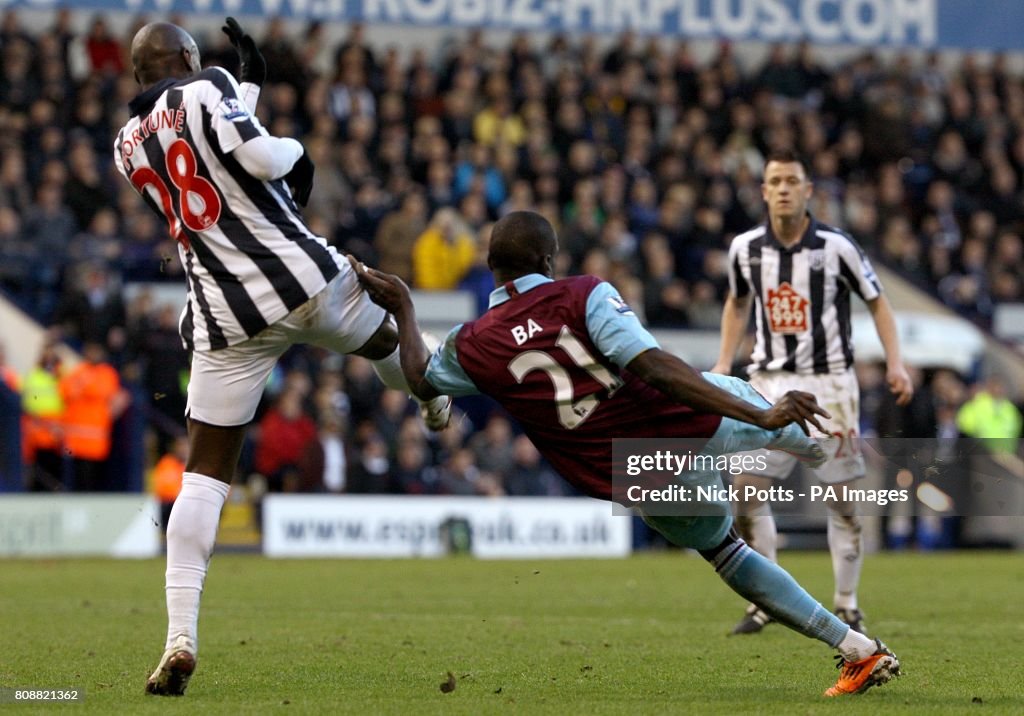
(571, 362)
(800, 273)
(259, 281)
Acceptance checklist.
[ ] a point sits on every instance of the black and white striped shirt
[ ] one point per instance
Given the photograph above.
(249, 258)
(801, 296)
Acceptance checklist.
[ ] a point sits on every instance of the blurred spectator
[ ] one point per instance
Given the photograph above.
(397, 235)
(479, 280)
(991, 416)
(492, 446)
(285, 434)
(279, 51)
(93, 306)
(443, 253)
(167, 475)
(528, 475)
(106, 56)
(165, 369)
(324, 464)
(42, 429)
(459, 474)
(369, 470)
(412, 474)
(93, 399)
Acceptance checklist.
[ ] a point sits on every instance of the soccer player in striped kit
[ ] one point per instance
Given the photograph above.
(259, 281)
(798, 274)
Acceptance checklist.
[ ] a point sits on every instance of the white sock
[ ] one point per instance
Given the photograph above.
(389, 370)
(844, 542)
(757, 527)
(191, 533)
(855, 646)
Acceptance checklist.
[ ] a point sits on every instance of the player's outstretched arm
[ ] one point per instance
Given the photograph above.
(390, 293)
(680, 381)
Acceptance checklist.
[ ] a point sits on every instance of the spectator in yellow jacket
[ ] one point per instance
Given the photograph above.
(443, 253)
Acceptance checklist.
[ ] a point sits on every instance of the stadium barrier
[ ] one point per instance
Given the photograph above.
(79, 525)
(400, 526)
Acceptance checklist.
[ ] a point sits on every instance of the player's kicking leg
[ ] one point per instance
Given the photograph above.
(345, 320)
(382, 351)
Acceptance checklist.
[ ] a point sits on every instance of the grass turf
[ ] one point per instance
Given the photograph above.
(643, 635)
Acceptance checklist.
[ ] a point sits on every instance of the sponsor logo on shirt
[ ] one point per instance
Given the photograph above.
(787, 310)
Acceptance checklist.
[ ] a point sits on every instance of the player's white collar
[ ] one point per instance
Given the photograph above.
(522, 284)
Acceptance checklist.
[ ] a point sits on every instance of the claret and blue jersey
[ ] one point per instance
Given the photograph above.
(554, 354)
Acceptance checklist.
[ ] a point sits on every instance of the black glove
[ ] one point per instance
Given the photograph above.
(300, 179)
(252, 66)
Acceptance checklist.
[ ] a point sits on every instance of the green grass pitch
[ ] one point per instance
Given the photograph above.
(642, 635)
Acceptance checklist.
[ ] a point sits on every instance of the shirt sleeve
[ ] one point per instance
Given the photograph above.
(738, 285)
(856, 269)
(231, 120)
(444, 372)
(614, 328)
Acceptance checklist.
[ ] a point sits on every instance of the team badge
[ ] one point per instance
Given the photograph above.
(817, 259)
(787, 310)
(233, 109)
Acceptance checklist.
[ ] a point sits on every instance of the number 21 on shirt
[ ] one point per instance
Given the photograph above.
(570, 414)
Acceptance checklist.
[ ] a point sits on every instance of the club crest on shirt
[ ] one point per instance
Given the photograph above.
(233, 109)
(620, 306)
(817, 259)
(787, 310)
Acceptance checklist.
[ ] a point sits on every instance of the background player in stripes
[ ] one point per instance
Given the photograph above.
(571, 362)
(258, 281)
(799, 274)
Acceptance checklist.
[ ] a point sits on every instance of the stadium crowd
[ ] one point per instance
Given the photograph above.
(646, 161)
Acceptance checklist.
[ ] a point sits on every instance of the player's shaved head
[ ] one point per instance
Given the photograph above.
(522, 242)
(161, 50)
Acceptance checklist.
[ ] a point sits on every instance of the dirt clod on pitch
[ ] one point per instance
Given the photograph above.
(449, 685)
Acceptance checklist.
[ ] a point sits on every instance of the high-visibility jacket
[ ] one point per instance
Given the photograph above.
(89, 391)
(42, 411)
(996, 420)
(167, 478)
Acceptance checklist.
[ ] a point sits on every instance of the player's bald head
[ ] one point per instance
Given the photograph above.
(161, 50)
(522, 242)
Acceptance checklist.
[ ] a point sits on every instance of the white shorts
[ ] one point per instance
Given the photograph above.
(839, 394)
(226, 384)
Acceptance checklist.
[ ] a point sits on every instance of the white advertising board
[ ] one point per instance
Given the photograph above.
(79, 525)
(400, 526)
